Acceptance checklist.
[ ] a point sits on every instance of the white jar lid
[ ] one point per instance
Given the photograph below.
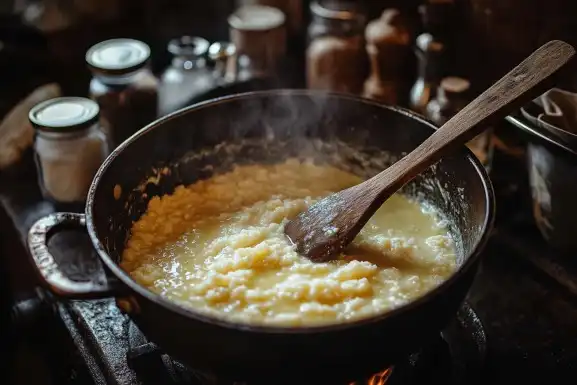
(118, 55)
(64, 114)
(256, 18)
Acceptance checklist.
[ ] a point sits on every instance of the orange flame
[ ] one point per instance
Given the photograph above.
(380, 378)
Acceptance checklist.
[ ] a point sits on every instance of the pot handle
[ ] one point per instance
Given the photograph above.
(61, 285)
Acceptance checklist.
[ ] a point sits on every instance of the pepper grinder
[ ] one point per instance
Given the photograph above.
(388, 44)
(429, 54)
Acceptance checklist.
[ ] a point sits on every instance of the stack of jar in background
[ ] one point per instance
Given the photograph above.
(344, 52)
(74, 135)
(348, 54)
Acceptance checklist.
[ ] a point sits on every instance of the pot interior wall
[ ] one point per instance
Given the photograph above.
(269, 127)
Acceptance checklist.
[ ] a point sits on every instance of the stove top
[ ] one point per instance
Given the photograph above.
(116, 352)
(456, 356)
(517, 326)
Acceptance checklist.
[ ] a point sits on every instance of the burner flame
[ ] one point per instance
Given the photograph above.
(380, 378)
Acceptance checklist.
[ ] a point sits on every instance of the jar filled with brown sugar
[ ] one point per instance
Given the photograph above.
(336, 59)
(123, 85)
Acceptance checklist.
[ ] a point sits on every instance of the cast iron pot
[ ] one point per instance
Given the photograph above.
(270, 126)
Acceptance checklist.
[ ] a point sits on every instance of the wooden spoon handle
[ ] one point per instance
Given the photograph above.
(521, 85)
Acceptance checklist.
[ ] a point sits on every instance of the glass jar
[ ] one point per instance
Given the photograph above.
(293, 10)
(123, 85)
(452, 96)
(187, 76)
(258, 33)
(69, 145)
(336, 59)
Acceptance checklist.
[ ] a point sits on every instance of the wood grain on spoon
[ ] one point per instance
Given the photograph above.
(328, 226)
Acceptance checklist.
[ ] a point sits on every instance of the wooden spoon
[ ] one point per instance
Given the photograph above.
(328, 226)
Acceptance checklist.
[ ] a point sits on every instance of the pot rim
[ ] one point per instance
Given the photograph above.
(127, 280)
(539, 135)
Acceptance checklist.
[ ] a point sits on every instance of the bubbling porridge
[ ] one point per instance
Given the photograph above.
(218, 247)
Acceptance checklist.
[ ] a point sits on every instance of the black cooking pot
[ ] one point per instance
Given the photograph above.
(194, 143)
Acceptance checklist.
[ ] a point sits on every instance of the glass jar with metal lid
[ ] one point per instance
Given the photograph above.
(336, 59)
(187, 75)
(123, 85)
(69, 145)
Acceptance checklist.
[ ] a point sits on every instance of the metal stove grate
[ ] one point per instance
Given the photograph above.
(455, 357)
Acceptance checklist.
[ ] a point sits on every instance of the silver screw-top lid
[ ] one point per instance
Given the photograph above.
(192, 46)
(118, 56)
(64, 114)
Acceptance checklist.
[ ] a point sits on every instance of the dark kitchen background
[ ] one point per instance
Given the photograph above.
(46, 41)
